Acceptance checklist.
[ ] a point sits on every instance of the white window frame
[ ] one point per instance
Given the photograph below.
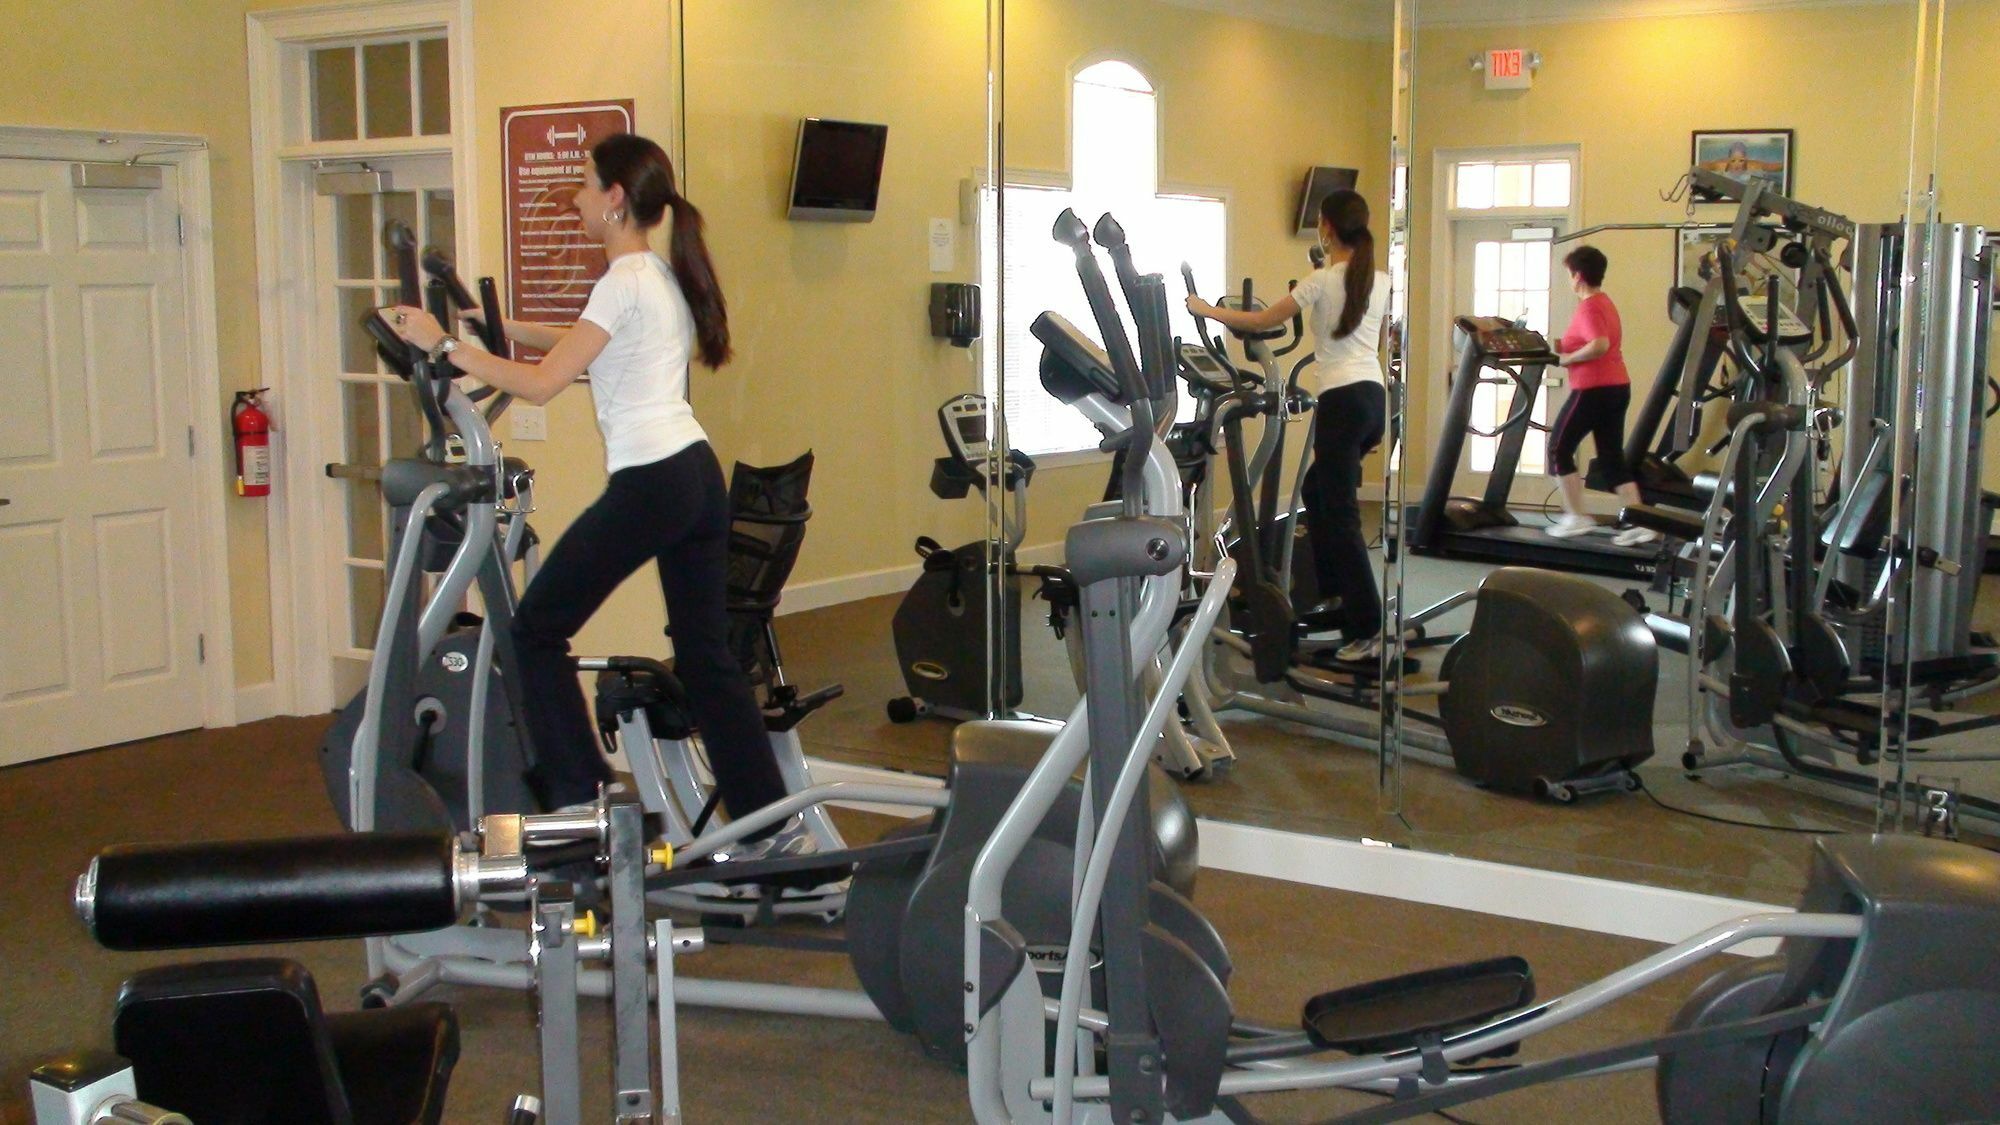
(979, 187)
(283, 160)
(1444, 177)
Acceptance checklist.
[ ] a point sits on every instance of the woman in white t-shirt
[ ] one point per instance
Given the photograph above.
(665, 499)
(1346, 302)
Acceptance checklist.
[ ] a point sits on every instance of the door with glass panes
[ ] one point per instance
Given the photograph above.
(370, 408)
(1509, 268)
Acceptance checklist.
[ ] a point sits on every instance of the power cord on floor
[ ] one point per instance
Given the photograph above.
(1655, 798)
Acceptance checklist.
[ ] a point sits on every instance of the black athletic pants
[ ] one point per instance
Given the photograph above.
(676, 513)
(1599, 412)
(1348, 424)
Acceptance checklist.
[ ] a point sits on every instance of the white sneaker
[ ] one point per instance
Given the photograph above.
(1636, 537)
(1569, 525)
(1364, 651)
(794, 839)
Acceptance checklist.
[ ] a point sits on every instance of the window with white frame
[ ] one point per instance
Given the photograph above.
(1114, 165)
(1510, 276)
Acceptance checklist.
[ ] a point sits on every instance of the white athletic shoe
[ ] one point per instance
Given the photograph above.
(1569, 525)
(1636, 537)
(1363, 651)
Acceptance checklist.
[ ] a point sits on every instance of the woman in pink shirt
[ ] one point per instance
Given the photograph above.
(1599, 391)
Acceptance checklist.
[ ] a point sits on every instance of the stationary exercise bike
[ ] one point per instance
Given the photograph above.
(944, 628)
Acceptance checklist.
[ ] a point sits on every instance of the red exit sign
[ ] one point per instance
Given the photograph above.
(1508, 69)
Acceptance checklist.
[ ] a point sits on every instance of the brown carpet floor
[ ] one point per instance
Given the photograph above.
(261, 779)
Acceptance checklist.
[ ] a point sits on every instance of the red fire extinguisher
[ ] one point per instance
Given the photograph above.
(253, 443)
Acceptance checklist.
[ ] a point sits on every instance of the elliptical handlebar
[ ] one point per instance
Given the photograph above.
(1070, 231)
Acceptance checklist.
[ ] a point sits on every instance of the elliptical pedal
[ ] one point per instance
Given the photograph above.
(1416, 1011)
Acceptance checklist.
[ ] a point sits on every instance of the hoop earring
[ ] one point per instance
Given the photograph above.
(614, 216)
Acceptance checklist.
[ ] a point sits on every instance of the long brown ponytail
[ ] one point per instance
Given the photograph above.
(643, 170)
(1347, 213)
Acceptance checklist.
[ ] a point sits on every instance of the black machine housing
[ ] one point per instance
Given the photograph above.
(1542, 697)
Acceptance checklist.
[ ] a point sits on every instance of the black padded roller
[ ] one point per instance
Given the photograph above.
(176, 896)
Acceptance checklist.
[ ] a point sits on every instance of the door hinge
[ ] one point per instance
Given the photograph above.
(180, 228)
(201, 648)
(190, 441)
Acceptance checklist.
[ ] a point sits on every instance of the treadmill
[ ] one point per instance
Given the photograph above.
(1483, 530)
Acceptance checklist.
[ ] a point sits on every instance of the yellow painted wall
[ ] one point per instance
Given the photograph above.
(830, 320)
(177, 68)
(1247, 107)
(1625, 90)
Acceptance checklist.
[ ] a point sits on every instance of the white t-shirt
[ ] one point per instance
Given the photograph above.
(1353, 358)
(639, 382)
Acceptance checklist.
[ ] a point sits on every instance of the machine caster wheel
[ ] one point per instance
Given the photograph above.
(378, 993)
(1632, 783)
(1636, 600)
(902, 709)
(1690, 760)
(1558, 792)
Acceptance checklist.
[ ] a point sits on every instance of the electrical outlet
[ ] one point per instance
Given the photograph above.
(530, 423)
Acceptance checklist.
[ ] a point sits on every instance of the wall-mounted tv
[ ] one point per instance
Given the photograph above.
(837, 170)
(1320, 183)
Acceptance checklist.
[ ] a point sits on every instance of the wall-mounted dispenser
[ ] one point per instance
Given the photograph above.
(955, 312)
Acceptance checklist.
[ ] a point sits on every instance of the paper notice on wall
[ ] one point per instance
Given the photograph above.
(551, 262)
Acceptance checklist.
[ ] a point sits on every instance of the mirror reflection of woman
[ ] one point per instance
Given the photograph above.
(1348, 299)
(665, 499)
(1600, 391)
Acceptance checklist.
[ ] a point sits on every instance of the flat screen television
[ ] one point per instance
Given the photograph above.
(1321, 182)
(837, 170)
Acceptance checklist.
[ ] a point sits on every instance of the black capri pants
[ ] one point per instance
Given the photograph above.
(674, 512)
(1347, 423)
(1599, 412)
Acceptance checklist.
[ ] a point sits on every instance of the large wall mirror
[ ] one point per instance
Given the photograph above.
(1536, 177)
(1209, 131)
(1688, 187)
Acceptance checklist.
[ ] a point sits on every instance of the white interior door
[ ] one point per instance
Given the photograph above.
(370, 410)
(1496, 273)
(99, 596)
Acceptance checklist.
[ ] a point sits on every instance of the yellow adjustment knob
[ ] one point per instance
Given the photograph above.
(662, 854)
(586, 924)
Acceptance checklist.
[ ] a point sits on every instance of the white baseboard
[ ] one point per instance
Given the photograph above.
(258, 701)
(824, 592)
(1554, 898)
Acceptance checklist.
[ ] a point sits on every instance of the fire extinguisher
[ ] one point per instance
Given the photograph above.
(253, 443)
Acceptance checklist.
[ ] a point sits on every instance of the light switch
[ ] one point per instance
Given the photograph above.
(530, 423)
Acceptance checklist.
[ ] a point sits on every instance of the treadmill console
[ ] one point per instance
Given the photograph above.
(1501, 339)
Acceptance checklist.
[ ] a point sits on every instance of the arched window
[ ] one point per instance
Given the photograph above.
(1114, 166)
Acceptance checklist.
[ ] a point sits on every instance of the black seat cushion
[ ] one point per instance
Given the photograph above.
(396, 1062)
(231, 1043)
(245, 1042)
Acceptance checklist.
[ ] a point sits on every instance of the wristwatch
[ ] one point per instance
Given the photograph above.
(443, 348)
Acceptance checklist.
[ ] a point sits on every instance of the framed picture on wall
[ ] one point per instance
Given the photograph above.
(1747, 154)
